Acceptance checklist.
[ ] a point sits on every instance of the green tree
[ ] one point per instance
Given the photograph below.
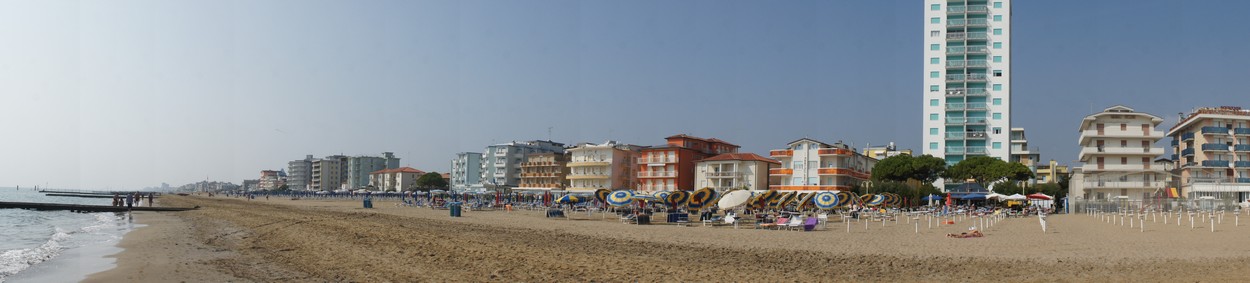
(927, 168)
(984, 170)
(1017, 172)
(432, 180)
(901, 168)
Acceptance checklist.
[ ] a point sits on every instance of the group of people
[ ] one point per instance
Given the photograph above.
(131, 200)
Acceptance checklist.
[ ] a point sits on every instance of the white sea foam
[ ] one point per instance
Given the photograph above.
(14, 261)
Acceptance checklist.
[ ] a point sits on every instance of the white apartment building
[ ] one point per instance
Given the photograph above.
(734, 171)
(1022, 153)
(299, 174)
(328, 173)
(501, 163)
(359, 168)
(1118, 151)
(395, 180)
(811, 165)
(466, 172)
(967, 79)
(609, 165)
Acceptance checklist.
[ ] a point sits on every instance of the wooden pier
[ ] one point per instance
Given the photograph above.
(86, 208)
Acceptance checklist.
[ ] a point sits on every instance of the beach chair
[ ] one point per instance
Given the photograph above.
(810, 224)
(824, 219)
(795, 223)
(781, 222)
(629, 218)
(713, 220)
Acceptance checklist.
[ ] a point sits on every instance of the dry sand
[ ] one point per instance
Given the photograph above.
(313, 240)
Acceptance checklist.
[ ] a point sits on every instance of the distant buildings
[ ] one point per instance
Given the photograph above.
(395, 180)
(299, 174)
(1117, 152)
(1022, 153)
(671, 167)
(359, 168)
(1051, 173)
(271, 180)
(811, 165)
(609, 165)
(250, 185)
(734, 171)
(328, 173)
(883, 152)
(545, 171)
(501, 163)
(466, 172)
(1213, 153)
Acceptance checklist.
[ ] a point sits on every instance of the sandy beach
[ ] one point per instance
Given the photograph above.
(236, 240)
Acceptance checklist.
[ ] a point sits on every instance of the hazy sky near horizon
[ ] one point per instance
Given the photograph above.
(127, 94)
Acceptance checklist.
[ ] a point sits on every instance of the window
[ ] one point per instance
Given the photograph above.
(797, 181)
(998, 45)
(998, 73)
(813, 164)
(936, 7)
(1124, 127)
(933, 117)
(998, 31)
(933, 61)
(933, 102)
(1123, 143)
(933, 75)
(997, 130)
(998, 59)
(998, 101)
(998, 87)
(998, 18)
(934, 33)
(797, 165)
(997, 5)
(933, 131)
(935, 20)
(933, 145)
(1123, 160)
(998, 116)
(935, 47)
(998, 145)
(933, 88)
(798, 147)
(813, 181)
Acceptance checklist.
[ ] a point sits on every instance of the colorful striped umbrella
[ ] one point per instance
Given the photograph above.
(620, 198)
(700, 198)
(601, 195)
(845, 198)
(825, 200)
(569, 199)
(875, 200)
(661, 195)
(763, 199)
(678, 198)
(805, 200)
(646, 198)
(782, 200)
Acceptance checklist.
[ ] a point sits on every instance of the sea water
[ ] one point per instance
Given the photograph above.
(38, 246)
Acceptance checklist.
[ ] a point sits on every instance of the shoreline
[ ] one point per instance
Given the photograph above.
(334, 240)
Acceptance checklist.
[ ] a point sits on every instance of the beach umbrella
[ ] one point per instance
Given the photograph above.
(620, 198)
(875, 200)
(646, 198)
(948, 199)
(825, 200)
(734, 199)
(678, 198)
(785, 199)
(601, 195)
(569, 199)
(661, 195)
(1017, 197)
(844, 198)
(932, 198)
(775, 201)
(973, 197)
(700, 198)
(763, 199)
(804, 200)
(1040, 196)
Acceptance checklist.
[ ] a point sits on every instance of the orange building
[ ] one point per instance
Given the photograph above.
(671, 167)
(811, 165)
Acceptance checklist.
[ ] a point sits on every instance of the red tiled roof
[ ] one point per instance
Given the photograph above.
(398, 170)
(741, 156)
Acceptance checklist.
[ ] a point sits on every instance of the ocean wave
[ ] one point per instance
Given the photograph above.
(14, 261)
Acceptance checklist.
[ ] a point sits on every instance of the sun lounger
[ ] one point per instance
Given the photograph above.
(795, 223)
(810, 224)
(629, 219)
(780, 223)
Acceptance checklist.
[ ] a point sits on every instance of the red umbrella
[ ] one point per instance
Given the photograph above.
(1040, 196)
(948, 199)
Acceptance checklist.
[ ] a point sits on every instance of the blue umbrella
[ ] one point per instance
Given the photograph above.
(973, 197)
(569, 199)
(620, 198)
(825, 200)
(932, 198)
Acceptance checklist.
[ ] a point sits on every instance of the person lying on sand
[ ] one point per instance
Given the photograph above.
(974, 234)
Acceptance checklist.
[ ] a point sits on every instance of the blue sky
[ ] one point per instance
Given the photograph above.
(124, 94)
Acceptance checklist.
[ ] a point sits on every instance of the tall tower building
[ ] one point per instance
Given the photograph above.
(967, 79)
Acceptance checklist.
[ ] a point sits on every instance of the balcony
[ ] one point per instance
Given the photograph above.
(1241, 147)
(954, 121)
(1241, 164)
(722, 174)
(1187, 136)
(1151, 151)
(1241, 131)
(1175, 142)
(781, 171)
(957, 50)
(1215, 163)
(1214, 130)
(959, 92)
(834, 151)
(956, 106)
(954, 150)
(809, 188)
(1187, 152)
(587, 176)
(657, 174)
(966, 78)
(956, 64)
(976, 151)
(1243, 180)
(833, 171)
(589, 162)
(1124, 184)
(1215, 147)
(976, 135)
(656, 160)
(780, 153)
(959, 36)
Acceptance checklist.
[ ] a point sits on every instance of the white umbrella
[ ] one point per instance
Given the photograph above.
(1017, 197)
(994, 196)
(734, 199)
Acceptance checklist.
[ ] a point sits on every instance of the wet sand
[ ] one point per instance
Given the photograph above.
(314, 240)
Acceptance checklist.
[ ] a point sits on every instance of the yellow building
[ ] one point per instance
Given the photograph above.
(1051, 173)
(881, 152)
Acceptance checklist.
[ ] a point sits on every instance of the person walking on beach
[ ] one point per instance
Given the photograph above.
(130, 200)
(150, 196)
